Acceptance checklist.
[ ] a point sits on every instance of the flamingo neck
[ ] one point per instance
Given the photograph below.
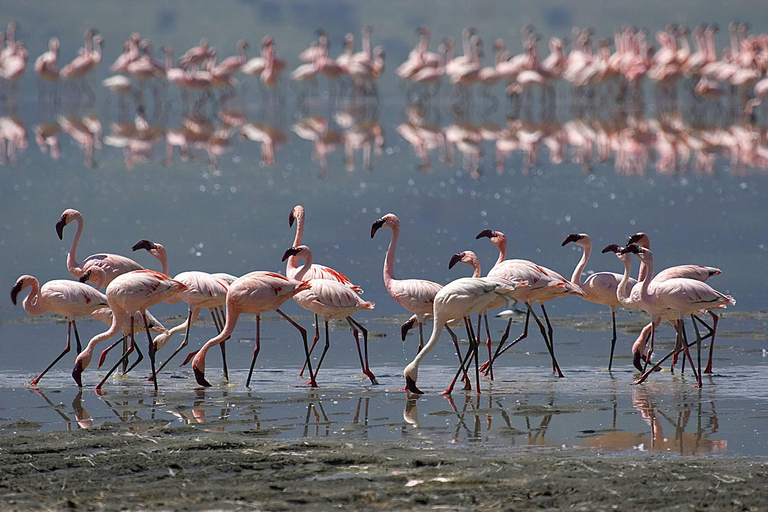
(75, 268)
(32, 304)
(622, 292)
(576, 277)
(437, 329)
(476, 266)
(502, 245)
(292, 263)
(647, 278)
(305, 268)
(389, 260)
(118, 318)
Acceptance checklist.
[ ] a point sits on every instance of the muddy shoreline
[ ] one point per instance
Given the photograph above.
(183, 468)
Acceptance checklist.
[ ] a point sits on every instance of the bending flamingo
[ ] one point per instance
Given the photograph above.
(203, 290)
(68, 298)
(696, 272)
(332, 301)
(458, 299)
(129, 293)
(254, 293)
(600, 287)
(98, 269)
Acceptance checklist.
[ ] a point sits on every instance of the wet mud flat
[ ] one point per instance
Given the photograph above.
(183, 468)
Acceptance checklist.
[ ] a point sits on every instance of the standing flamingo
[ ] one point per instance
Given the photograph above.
(129, 293)
(457, 299)
(599, 287)
(543, 285)
(683, 296)
(203, 290)
(696, 272)
(415, 295)
(99, 269)
(46, 64)
(332, 300)
(314, 271)
(68, 298)
(254, 293)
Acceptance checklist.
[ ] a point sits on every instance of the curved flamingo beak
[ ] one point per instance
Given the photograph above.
(84, 278)
(291, 219)
(410, 386)
(15, 291)
(634, 238)
(144, 244)
(571, 238)
(637, 358)
(633, 248)
(376, 226)
(200, 378)
(293, 251)
(455, 259)
(60, 226)
(614, 248)
(407, 326)
(77, 372)
(486, 233)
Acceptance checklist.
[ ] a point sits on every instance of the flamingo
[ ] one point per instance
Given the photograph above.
(254, 293)
(203, 290)
(126, 294)
(600, 287)
(99, 269)
(87, 59)
(415, 295)
(68, 298)
(45, 64)
(197, 55)
(680, 295)
(543, 285)
(457, 299)
(695, 272)
(331, 300)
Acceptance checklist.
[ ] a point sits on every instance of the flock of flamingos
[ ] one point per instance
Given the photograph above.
(671, 295)
(737, 76)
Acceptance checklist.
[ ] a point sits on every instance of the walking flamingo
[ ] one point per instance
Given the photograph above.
(254, 293)
(129, 293)
(203, 290)
(543, 285)
(415, 295)
(333, 301)
(68, 298)
(696, 272)
(98, 269)
(457, 299)
(45, 64)
(600, 287)
(681, 295)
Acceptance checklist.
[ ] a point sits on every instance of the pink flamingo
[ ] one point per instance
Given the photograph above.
(331, 300)
(312, 271)
(415, 295)
(232, 65)
(458, 299)
(88, 58)
(197, 55)
(680, 295)
(45, 64)
(600, 287)
(68, 298)
(203, 290)
(254, 293)
(543, 285)
(98, 269)
(127, 294)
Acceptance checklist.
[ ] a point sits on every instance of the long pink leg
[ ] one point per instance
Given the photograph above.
(366, 367)
(303, 332)
(255, 350)
(314, 342)
(66, 350)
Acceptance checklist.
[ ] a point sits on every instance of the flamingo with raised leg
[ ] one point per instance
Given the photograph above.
(129, 293)
(68, 298)
(331, 300)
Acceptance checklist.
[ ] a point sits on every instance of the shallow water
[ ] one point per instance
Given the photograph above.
(233, 218)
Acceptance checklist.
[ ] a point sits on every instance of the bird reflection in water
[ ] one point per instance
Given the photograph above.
(690, 443)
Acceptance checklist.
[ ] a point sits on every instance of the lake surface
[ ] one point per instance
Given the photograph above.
(232, 217)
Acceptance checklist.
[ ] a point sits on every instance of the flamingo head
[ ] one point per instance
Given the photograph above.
(575, 238)
(21, 283)
(85, 277)
(66, 217)
(407, 326)
(411, 373)
(641, 239)
(459, 256)
(299, 250)
(634, 249)
(81, 363)
(638, 352)
(144, 244)
(198, 367)
(496, 237)
(296, 214)
(614, 248)
(390, 220)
